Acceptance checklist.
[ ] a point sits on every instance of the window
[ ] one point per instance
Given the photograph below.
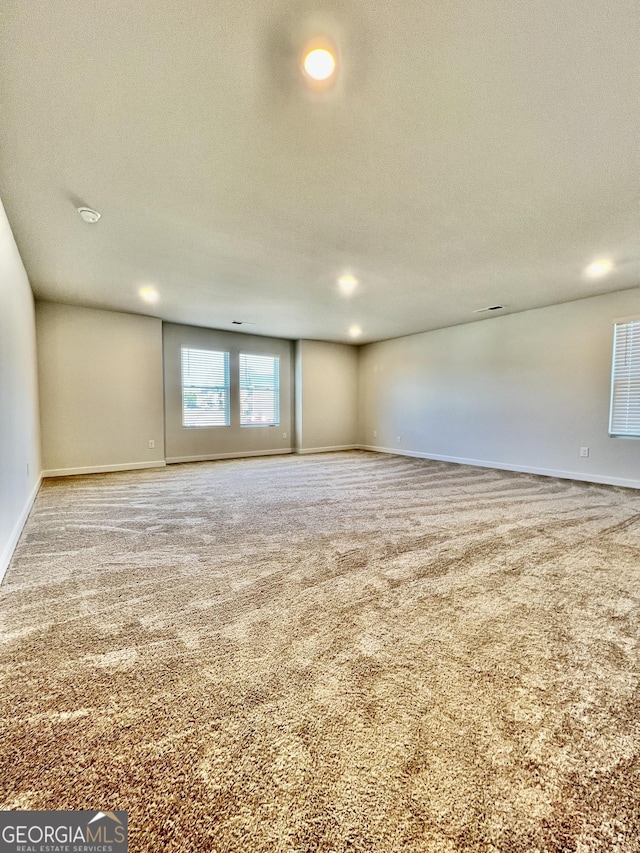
(624, 419)
(259, 390)
(205, 388)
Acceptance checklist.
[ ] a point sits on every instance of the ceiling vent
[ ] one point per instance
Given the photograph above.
(489, 308)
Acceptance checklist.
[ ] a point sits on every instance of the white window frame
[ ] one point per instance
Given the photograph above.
(191, 388)
(624, 410)
(276, 390)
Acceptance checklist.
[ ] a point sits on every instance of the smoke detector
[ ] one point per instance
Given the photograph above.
(88, 215)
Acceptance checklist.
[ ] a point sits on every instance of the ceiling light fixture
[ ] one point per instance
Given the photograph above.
(319, 63)
(599, 268)
(149, 294)
(347, 284)
(88, 215)
(355, 331)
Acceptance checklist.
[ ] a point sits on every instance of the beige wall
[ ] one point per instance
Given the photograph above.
(326, 396)
(524, 391)
(19, 422)
(186, 444)
(101, 394)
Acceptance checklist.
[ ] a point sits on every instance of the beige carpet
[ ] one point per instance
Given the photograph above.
(347, 652)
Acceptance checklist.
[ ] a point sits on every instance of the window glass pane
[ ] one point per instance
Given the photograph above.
(259, 390)
(205, 388)
(625, 380)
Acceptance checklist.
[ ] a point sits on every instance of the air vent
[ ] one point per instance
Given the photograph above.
(489, 308)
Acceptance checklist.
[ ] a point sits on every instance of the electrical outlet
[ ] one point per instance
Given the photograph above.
(584, 451)
(399, 438)
(375, 433)
(152, 444)
(284, 435)
(27, 469)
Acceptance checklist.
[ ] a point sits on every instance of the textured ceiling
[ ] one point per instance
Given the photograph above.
(470, 154)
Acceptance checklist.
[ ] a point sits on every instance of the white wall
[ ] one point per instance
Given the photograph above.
(101, 395)
(326, 396)
(522, 391)
(190, 444)
(19, 422)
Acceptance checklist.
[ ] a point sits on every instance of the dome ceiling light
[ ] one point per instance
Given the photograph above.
(88, 215)
(319, 64)
(149, 294)
(599, 268)
(347, 284)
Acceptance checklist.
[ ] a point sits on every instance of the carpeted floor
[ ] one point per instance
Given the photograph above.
(346, 652)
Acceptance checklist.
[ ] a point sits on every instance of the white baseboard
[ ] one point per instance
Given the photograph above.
(211, 457)
(503, 466)
(303, 450)
(103, 469)
(9, 548)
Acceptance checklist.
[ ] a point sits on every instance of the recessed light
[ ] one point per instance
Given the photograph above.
(88, 215)
(598, 268)
(319, 63)
(355, 331)
(347, 284)
(149, 294)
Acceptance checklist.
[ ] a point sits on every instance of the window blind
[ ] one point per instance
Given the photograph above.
(259, 390)
(205, 388)
(624, 418)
